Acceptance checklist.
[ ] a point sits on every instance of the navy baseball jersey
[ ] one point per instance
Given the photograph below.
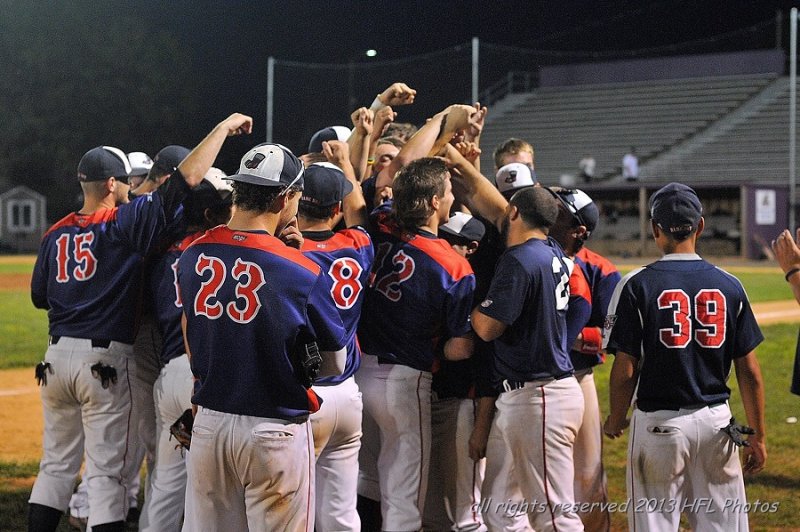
(530, 294)
(603, 277)
(686, 319)
(89, 270)
(420, 291)
(166, 298)
(346, 258)
(246, 297)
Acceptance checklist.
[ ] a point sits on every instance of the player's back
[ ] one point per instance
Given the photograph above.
(420, 290)
(89, 270)
(247, 296)
(346, 258)
(695, 318)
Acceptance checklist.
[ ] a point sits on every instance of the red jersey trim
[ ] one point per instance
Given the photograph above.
(590, 257)
(257, 241)
(441, 252)
(578, 285)
(84, 220)
(344, 239)
(187, 240)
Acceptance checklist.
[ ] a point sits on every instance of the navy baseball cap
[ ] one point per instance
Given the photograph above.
(169, 157)
(580, 205)
(463, 225)
(324, 184)
(514, 176)
(676, 209)
(329, 133)
(270, 165)
(102, 162)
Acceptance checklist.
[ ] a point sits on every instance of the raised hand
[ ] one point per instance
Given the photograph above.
(397, 94)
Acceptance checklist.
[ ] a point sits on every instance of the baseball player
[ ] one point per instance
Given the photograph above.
(525, 314)
(787, 253)
(141, 163)
(591, 285)
(454, 481)
(248, 299)
(87, 277)
(676, 326)
(345, 256)
(208, 205)
(420, 290)
(146, 346)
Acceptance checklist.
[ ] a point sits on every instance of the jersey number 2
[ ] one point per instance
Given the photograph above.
(709, 311)
(246, 305)
(81, 254)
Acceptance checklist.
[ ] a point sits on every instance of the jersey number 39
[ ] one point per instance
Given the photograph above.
(709, 311)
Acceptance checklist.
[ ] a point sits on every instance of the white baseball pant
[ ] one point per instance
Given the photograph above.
(680, 462)
(249, 473)
(80, 415)
(172, 394)
(538, 425)
(454, 479)
(590, 477)
(397, 399)
(336, 427)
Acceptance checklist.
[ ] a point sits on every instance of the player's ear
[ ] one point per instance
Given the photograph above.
(701, 225)
(472, 247)
(656, 229)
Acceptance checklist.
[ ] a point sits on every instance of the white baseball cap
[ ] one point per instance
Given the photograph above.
(141, 163)
(514, 176)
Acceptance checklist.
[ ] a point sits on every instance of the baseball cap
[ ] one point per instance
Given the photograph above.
(329, 133)
(169, 157)
(141, 163)
(514, 176)
(270, 165)
(676, 209)
(580, 205)
(463, 225)
(102, 162)
(324, 185)
(216, 178)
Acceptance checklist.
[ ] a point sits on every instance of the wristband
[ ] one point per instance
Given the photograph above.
(377, 104)
(592, 340)
(790, 273)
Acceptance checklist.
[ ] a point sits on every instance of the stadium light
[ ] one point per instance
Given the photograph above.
(371, 52)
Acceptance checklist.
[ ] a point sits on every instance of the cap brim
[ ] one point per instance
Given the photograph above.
(253, 180)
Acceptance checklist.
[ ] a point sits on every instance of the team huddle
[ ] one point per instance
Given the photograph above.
(374, 336)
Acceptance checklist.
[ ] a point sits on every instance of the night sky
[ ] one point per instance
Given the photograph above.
(228, 43)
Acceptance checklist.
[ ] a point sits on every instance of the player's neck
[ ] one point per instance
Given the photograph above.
(93, 204)
(253, 221)
(312, 224)
(520, 236)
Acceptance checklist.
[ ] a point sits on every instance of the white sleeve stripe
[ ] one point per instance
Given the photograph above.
(612, 305)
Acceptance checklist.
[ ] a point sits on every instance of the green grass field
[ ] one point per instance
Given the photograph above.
(24, 333)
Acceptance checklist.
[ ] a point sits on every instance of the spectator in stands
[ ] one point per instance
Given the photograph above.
(630, 165)
(587, 166)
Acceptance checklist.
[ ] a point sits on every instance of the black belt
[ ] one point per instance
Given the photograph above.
(677, 408)
(510, 386)
(96, 342)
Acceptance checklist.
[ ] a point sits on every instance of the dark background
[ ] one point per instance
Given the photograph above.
(141, 75)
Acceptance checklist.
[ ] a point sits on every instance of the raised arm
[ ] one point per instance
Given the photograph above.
(787, 253)
(354, 206)
(429, 140)
(395, 94)
(202, 157)
(360, 141)
(473, 133)
(481, 196)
